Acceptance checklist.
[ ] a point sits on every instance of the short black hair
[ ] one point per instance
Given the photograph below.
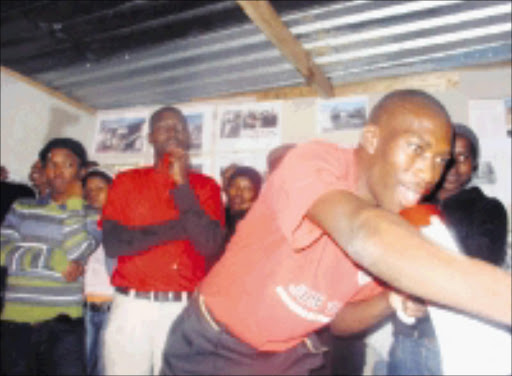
(250, 173)
(165, 109)
(72, 145)
(466, 132)
(98, 173)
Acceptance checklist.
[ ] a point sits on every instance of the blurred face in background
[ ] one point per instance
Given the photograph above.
(460, 169)
(241, 193)
(37, 177)
(95, 191)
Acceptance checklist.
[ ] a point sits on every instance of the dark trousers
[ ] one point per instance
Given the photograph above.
(52, 347)
(348, 355)
(196, 347)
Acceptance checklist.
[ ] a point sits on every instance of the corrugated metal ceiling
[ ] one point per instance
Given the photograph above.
(349, 40)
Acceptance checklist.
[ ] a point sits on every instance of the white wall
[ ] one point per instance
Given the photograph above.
(29, 118)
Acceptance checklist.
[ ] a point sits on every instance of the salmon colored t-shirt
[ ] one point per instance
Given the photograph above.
(281, 276)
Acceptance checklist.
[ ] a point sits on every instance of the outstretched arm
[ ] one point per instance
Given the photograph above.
(361, 315)
(393, 250)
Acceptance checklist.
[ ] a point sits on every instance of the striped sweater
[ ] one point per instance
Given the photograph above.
(38, 239)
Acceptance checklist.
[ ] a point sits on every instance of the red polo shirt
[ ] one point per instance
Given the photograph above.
(141, 197)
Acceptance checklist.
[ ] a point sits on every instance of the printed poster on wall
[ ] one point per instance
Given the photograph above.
(339, 114)
(200, 123)
(490, 121)
(202, 164)
(123, 134)
(248, 126)
(120, 135)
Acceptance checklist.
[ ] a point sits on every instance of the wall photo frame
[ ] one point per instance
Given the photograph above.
(120, 136)
(341, 114)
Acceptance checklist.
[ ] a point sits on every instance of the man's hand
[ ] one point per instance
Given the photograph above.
(178, 164)
(74, 270)
(407, 307)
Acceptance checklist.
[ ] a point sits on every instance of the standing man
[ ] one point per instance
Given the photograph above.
(296, 261)
(45, 243)
(164, 223)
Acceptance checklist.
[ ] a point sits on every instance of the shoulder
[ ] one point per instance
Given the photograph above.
(27, 203)
(133, 173)
(16, 189)
(129, 178)
(319, 151)
(473, 197)
(472, 204)
(316, 147)
(200, 180)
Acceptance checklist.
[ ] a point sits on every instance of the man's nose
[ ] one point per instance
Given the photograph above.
(428, 172)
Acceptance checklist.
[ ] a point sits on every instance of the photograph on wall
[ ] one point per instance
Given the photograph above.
(199, 121)
(201, 164)
(342, 113)
(122, 134)
(508, 115)
(248, 125)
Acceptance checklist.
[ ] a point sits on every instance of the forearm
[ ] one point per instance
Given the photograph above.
(358, 316)
(394, 251)
(423, 269)
(121, 240)
(206, 234)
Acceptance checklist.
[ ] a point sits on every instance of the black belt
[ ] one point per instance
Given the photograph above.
(157, 296)
(98, 307)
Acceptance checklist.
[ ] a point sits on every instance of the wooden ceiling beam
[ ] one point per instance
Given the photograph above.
(266, 18)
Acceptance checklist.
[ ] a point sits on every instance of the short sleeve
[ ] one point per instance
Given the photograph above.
(368, 290)
(308, 172)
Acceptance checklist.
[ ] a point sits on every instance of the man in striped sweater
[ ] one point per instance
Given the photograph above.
(44, 244)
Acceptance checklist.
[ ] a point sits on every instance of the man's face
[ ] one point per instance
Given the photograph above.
(241, 193)
(225, 174)
(413, 148)
(37, 176)
(169, 132)
(62, 170)
(95, 192)
(461, 169)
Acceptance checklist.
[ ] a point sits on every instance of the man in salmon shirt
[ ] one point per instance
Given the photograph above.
(163, 223)
(326, 219)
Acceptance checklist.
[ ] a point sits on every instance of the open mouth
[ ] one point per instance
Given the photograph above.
(408, 196)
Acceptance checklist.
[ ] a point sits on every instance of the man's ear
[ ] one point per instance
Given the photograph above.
(150, 138)
(370, 138)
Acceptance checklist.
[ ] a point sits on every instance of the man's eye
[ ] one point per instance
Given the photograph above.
(415, 148)
(442, 160)
(462, 158)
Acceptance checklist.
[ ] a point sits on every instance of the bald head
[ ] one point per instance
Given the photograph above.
(405, 101)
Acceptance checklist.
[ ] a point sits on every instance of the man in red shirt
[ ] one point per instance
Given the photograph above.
(163, 224)
(327, 220)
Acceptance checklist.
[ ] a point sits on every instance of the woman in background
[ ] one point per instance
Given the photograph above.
(97, 288)
(243, 187)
